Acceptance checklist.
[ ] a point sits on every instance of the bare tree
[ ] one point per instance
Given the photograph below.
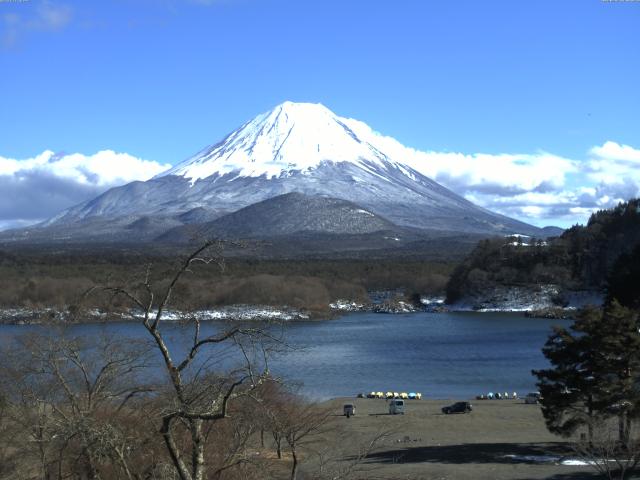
(334, 464)
(7, 452)
(294, 422)
(67, 398)
(197, 395)
(607, 454)
(303, 425)
(238, 456)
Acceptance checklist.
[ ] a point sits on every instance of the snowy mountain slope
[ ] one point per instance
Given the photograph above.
(288, 214)
(302, 148)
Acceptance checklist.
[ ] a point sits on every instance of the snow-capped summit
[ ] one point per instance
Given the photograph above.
(290, 137)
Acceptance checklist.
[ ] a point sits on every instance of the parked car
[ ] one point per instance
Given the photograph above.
(396, 406)
(533, 397)
(349, 409)
(458, 407)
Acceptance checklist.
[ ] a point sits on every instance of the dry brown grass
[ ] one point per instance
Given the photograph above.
(425, 444)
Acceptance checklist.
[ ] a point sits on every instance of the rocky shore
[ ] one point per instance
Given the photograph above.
(555, 313)
(538, 301)
(390, 302)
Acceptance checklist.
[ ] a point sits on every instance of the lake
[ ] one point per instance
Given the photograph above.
(441, 355)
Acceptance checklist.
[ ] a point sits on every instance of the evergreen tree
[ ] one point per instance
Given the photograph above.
(623, 282)
(619, 365)
(569, 388)
(594, 374)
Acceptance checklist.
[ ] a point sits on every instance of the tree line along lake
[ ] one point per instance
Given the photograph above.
(441, 355)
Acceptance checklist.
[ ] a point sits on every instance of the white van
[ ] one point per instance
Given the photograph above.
(533, 397)
(396, 406)
(349, 409)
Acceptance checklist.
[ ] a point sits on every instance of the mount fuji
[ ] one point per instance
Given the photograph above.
(299, 159)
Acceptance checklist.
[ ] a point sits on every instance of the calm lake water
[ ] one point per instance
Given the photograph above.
(442, 355)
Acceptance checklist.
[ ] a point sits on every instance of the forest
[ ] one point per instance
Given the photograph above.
(582, 258)
(37, 279)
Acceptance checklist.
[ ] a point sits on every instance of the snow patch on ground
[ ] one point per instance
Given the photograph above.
(365, 212)
(526, 299)
(573, 462)
(533, 458)
(347, 305)
(398, 306)
(509, 299)
(233, 312)
(424, 300)
(19, 316)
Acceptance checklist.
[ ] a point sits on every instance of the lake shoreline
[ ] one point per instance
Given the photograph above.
(255, 313)
(382, 302)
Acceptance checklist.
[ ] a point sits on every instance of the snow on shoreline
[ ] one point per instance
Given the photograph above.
(27, 316)
(233, 312)
(526, 299)
(506, 299)
(557, 460)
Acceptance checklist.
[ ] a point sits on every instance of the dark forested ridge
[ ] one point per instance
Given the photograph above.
(582, 258)
(608, 234)
(37, 279)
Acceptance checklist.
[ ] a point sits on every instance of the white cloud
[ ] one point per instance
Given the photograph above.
(616, 152)
(506, 172)
(16, 223)
(541, 188)
(37, 188)
(480, 172)
(103, 169)
(32, 17)
(614, 164)
(610, 174)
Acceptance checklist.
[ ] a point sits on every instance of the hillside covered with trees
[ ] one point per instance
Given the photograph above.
(582, 258)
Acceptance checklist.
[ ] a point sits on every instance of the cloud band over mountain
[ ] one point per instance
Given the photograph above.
(37, 188)
(540, 188)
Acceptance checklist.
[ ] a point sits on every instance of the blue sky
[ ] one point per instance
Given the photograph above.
(158, 80)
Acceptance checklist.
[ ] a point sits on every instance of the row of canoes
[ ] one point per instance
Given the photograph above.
(388, 395)
(497, 396)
